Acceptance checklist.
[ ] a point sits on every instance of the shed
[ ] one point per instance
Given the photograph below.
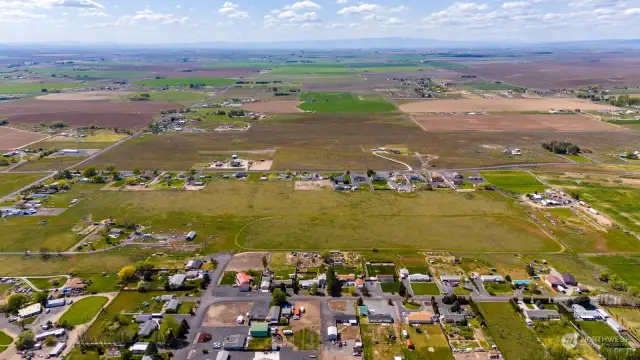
(172, 306)
(191, 235)
(492, 278)
(569, 279)
(193, 264)
(139, 348)
(346, 319)
(332, 333)
(274, 315)
(421, 317)
(450, 278)
(116, 232)
(177, 281)
(192, 274)
(259, 329)
(380, 319)
(363, 310)
(419, 278)
(167, 298)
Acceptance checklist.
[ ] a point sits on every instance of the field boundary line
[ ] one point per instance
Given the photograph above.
(246, 225)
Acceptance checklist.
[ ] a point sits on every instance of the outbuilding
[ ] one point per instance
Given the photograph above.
(332, 333)
(222, 355)
(139, 348)
(259, 329)
(177, 281)
(31, 310)
(274, 315)
(193, 264)
(191, 236)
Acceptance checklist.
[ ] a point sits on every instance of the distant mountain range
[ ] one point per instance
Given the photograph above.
(363, 43)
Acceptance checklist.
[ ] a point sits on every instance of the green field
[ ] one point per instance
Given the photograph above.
(514, 181)
(627, 317)
(109, 74)
(551, 333)
(624, 266)
(176, 96)
(185, 82)
(98, 283)
(493, 87)
(602, 333)
(48, 283)
(5, 339)
(425, 288)
(509, 331)
(306, 340)
(390, 287)
(11, 182)
(578, 158)
(29, 88)
(374, 270)
(323, 102)
(322, 69)
(498, 288)
(84, 310)
(50, 164)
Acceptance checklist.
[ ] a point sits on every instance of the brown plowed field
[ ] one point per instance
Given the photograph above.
(500, 104)
(11, 138)
(274, 107)
(515, 122)
(77, 113)
(85, 96)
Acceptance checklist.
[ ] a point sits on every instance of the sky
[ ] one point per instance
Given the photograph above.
(185, 21)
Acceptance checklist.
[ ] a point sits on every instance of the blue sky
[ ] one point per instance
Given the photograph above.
(171, 21)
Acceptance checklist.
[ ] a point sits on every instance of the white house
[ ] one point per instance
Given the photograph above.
(29, 311)
(404, 273)
(419, 278)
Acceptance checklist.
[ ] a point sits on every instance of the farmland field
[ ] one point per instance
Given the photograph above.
(514, 122)
(602, 333)
(514, 181)
(425, 288)
(27, 88)
(626, 267)
(50, 163)
(11, 182)
(344, 103)
(185, 82)
(176, 96)
(82, 311)
(509, 331)
(12, 138)
(84, 96)
(499, 104)
(81, 74)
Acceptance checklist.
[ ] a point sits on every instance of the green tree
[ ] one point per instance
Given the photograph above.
(402, 290)
(90, 172)
(152, 349)
(50, 341)
(360, 302)
(40, 297)
(314, 289)
(125, 354)
(334, 286)
(604, 275)
(15, 303)
(127, 272)
(365, 291)
(265, 262)
(278, 298)
(25, 340)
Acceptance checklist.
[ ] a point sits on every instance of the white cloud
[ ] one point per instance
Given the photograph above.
(342, 1)
(18, 16)
(146, 16)
(47, 4)
(300, 14)
(232, 11)
(364, 8)
(515, 5)
(303, 5)
(91, 13)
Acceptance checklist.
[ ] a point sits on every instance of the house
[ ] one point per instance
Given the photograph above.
(193, 264)
(167, 298)
(259, 329)
(346, 319)
(274, 315)
(449, 316)
(191, 236)
(347, 277)
(76, 285)
(457, 176)
(404, 273)
(363, 310)
(139, 348)
(114, 233)
(569, 279)
(580, 313)
(380, 319)
(192, 274)
(243, 278)
(553, 281)
(234, 342)
(31, 310)
(222, 355)
(419, 278)
(177, 281)
(386, 278)
(450, 278)
(491, 278)
(142, 318)
(147, 328)
(422, 317)
(332, 333)
(172, 306)
(542, 314)
(55, 303)
(380, 176)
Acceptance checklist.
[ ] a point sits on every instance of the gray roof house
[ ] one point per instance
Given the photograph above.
(172, 306)
(142, 318)
(148, 328)
(167, 298)
(193, 264)
(274, 314)
(542, 314)
(234, 342)
(177, 281)
(380, 319)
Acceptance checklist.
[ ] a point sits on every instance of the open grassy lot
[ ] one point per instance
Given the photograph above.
(426, 288)
(551, 333)
(5, 339)
(498, 288)
(48, 283)
(430, 343)
(390, 287)
(95, 139)
(493, 87)
(624, 266)
(627, 317)
(306, 339)
(12, 182)
(602, 333)
(98, 283)
(514, 181)
(185, 82)
(323, 102)
(84, 310)
(50, 164)
(175, 96)
(29, 88)
(509, 331)
(374, 270)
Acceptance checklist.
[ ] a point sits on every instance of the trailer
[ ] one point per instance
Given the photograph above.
(57, 350)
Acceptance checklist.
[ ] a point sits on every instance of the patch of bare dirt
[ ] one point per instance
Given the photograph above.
(247, 261)
(313, 185)
(500, 104)
(338, 305)
(84, 96)
(310, 318)
(11, 138)
(226, 314)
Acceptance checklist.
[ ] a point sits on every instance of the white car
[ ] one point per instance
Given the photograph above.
(216, 345)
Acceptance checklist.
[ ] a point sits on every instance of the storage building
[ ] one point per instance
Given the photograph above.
(274, 315)
(259, 329)
(55, 303)
(31, 310)
(332, 333)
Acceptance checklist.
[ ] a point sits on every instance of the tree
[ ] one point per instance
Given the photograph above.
(169, 329)
(15, 303)
(617, 283)
(26, 340)
(90, 172)
(40, 297)
(360, 302)
(278, 298)
(314, 289)
(507, 278)
(143, 286)
(265, 262)
(152, 349)
(365, 291)
(604, 275)
(402, 290)
(126, 354)
(456, 306)
(50, 341)
(184, 328)
(206, 279)
(334, 286)
(127, 272)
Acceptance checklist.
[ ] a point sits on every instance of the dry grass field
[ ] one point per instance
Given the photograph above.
(84, 96)
(516, 122)
(500, 104)
(274, 107)
(13, 138)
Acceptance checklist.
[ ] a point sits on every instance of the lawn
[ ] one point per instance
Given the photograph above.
(425, 288)
(578, 158)
(82, 311)
(25, 88)
(48, 283)
(373, 270)
(219, 82)
(602, 333)
(11, 182)
(390, 287)
(5, 339)
(624, 266)
(306, 339)
(259, 344)
(375, 340)
(98, 283)
(430, 343)
(324, 102)
(498, 288)
(185, 307)
(509, 331)
(514, 181)
(228, 278)
(551, 333)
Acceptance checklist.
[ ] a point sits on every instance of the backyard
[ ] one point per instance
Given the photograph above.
(514, 181)
(84, 310)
